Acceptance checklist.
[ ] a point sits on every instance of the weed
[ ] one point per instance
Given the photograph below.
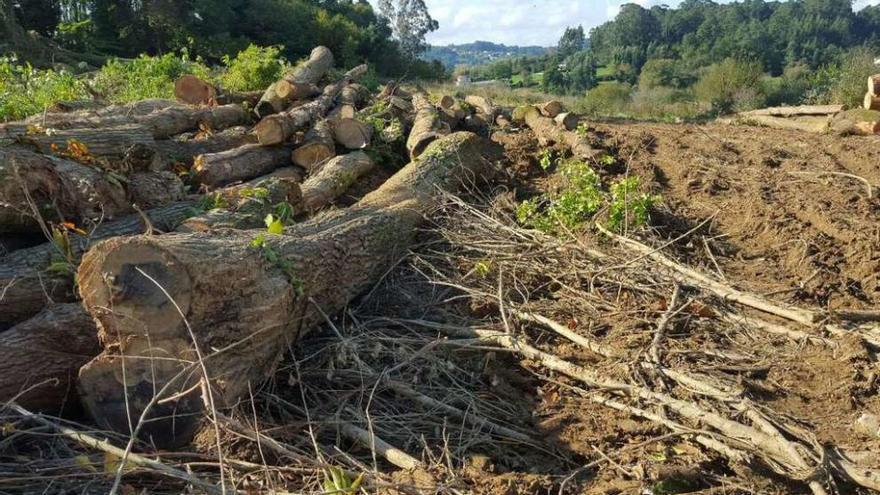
(337, 481)
(253, 68)
(629, 208)
(269, 253)
(482, 268)
(26, 91)
(274, 225)
(214, 201)
(547, 159)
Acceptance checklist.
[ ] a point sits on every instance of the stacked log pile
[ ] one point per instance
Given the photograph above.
(208, 211)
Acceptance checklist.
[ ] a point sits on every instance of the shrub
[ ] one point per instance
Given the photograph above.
(730, 85)
(145, 77)
(26, 91)
(844, 83)
(790, 89)
(608, 98)
(665, 72)
(629, 208)
(576, 202)
(253, 68)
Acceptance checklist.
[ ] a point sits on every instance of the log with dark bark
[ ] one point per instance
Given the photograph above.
(103, 142)
(242, 163)
(352, 134)
(174, 120)
(185, 149)
(246, 205)
(32, 277)
(244, 307)
(278, 128)
(75, 106)
(153, 189)
(35, 186)
(40, 357)
(317, 147)
(427, 126)
(333, 179)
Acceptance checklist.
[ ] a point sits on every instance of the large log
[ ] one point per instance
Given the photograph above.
(32, 277)
(36, 186)
(103, 142)
(427, 126)
(355, 95)
(187, 149)
(333, 179)
(242, 163)
(243, 305)
(192, 90)
(567, 121)
(292, 91)
(872, 102)
(278, 128)
(806, 123)
(551, 108)
(795, 111)
(245, 206)
(549, 133)
(312, 70)
(40, 357)
(317, 147)
(271, 102)
(483, 105)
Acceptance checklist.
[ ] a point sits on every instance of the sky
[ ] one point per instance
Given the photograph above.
(526, 22)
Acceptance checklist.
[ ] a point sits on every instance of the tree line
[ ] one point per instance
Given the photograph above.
(389, 39)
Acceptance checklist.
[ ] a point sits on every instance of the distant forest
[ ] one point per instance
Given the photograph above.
(727, 55)
(212, 29)
(479, 53)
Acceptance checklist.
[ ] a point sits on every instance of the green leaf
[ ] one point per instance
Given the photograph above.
(274, 225)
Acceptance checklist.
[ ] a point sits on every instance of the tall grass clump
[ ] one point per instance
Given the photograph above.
(25, 90)
(253, 68)
(145, 77)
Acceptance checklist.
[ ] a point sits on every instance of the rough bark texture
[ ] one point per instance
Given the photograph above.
(242, 163)
(247, 205)
(278, 128)
(333, 179)
(75, 106)
(312, 70)
(317, 147)
(43, 355)
(185, 150)
(427, 126)
(105, 142)
(352, 134)
(243, 309)
(154, 189)
(28, 285)
(174, 120)
(58, 189)
(872, 102)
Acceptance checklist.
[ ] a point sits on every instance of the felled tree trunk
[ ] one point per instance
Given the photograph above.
(551, 108)
(333, 179)
(154, 189)
(342, 111)
(548, 132)
(317, 147)
(245, 206)
(483, 105)
(186, 150)
(278, 128)
(105, 142)
(426, 128)
(292, 91)
(32, 277)
(355, 95)
(242, 163)
(795, 111)
(352, 134)
(567, 121)
(271, 102)
(312, 70)
(874, 85)
(300, 84)
(54, 189)
(247, 304)
(42, 356)
(872, 102)
(806, 124)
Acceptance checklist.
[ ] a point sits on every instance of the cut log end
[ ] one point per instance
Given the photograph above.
(352, 134)
(551, 108)
(567, 121)
(191, 90)
(311, 155)
(872, 102)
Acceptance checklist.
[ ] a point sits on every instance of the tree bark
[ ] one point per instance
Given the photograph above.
(292, 91)
(278, 128)
(317, 147)
(795, 111)
(426, 128)
(249, 203)
(355, 95)
(186, 150)
(352, 134)
(872, 102)
(242, 163)
(548, 133)
(312, 70)
(28, 284)
(153, 189)
(54, 189)
(105, 142)
(43, 355)
(248, 303)
(333, 179)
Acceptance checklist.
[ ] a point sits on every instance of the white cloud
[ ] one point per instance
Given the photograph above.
(527, 22)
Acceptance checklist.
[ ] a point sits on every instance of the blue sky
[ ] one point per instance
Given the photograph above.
(526, 22)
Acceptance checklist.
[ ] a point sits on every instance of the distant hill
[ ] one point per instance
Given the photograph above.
(479, 53)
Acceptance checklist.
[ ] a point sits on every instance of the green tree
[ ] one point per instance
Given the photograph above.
(410, 21)
(731, 85)
(572, 41)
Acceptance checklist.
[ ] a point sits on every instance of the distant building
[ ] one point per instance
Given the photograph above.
(463, 80)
